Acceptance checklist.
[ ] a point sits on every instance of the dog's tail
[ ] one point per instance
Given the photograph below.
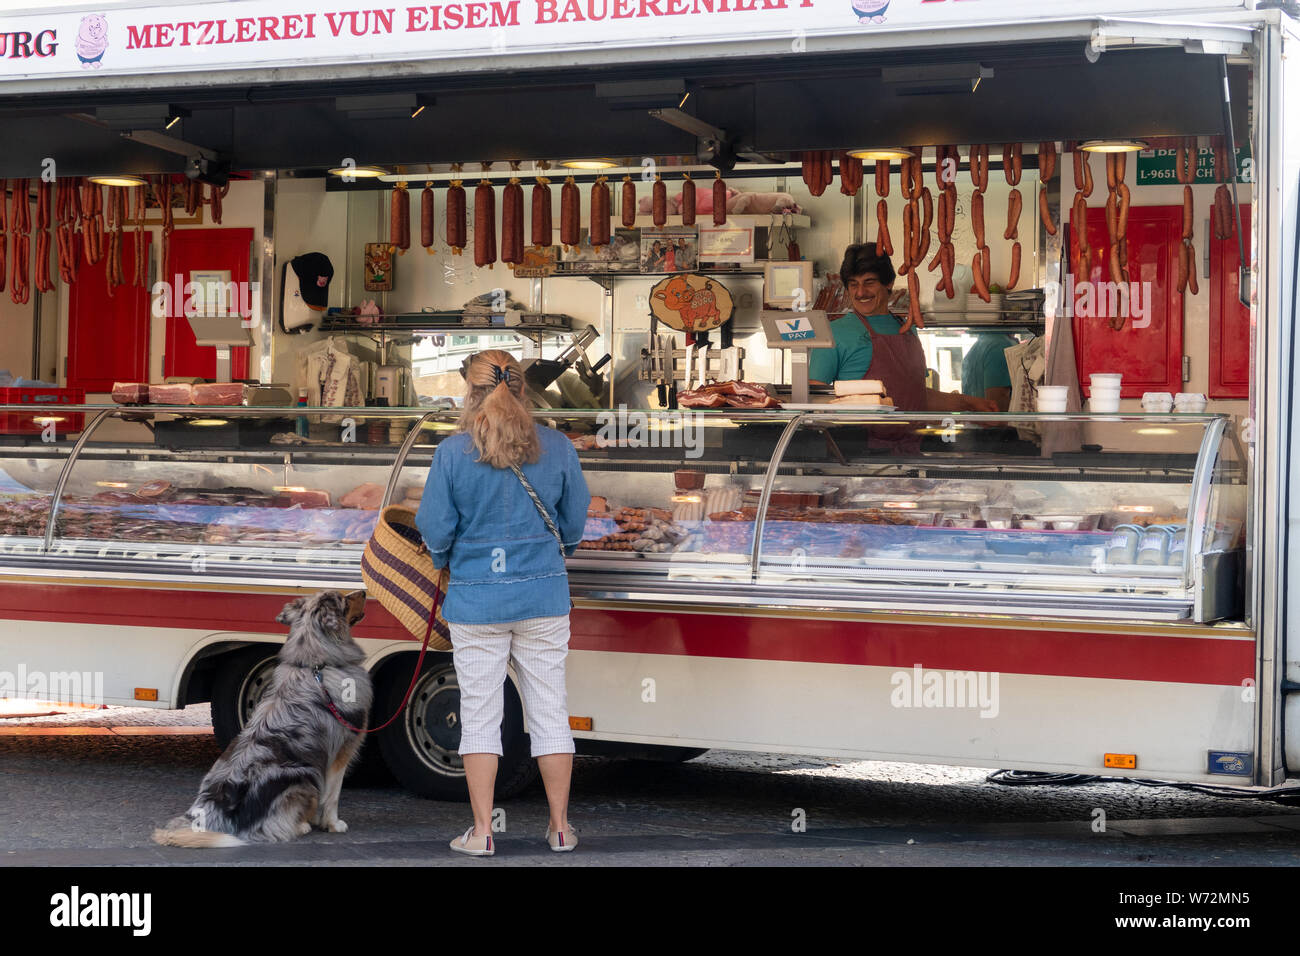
(188, 836)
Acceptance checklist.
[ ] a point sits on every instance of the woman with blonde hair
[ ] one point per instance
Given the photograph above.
(505, 501)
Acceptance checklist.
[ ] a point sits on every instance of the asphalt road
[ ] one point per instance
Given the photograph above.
(93, 796)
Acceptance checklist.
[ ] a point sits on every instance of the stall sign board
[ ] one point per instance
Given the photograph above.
(71, 42)
(1156, 166)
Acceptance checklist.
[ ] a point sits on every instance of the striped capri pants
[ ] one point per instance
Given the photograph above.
(538, 647)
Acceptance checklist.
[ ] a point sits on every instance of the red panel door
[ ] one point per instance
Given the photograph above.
(108, 336)
(203, 250)
(1230, 331)
(1151, 357)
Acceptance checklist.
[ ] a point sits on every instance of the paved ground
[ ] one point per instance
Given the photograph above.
(87, 787)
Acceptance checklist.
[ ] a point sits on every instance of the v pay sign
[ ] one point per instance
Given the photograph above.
(794, 329)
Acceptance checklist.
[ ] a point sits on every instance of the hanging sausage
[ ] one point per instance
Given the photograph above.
(543, 232)
(688, 200)
(719, 199)
(20, 225)
(485, 221)
(426, 218)
(628, 210)
(456, 227)
(512, 220)
(659, 201)
(599, 231)
(399, 220)
(570, 211)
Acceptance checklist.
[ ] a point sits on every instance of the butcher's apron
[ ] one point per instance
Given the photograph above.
(899, 362)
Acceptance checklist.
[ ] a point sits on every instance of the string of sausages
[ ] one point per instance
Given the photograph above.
(44, 193)
(162, 191)
(215, 195)
(1082, 260)
(946, 161)
(92, 221)
(116, 219)
(916, 233)
(4, 232)
(20, 224)
(1012, 168)
(67, 252)
(817, 170)
(1225, 225)
(1117, 208)
(1185, 170)
(1046, 170)
(981, 264)
(850, 174)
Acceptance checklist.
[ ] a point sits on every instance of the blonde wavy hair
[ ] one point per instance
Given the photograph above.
(495, 417)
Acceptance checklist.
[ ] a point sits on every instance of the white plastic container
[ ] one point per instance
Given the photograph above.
(1104, 401)
(1106, 379)
(1157, 402)
(1189, 403)
(1052, 398)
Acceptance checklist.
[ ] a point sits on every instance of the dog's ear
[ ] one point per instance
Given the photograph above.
(291, 612)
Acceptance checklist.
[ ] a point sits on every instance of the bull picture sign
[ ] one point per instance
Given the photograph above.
(691, 303)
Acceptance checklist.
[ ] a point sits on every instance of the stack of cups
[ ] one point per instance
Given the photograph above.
(1052, 398)
(1189, 403)
(1157, 402)
(1105, 393)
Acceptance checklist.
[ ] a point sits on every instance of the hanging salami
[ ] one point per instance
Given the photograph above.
(456, 226)
(512, 220)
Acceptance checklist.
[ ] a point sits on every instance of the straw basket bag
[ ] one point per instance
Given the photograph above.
(399, 574)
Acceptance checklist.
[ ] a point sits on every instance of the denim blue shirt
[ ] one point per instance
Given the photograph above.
(505, 564)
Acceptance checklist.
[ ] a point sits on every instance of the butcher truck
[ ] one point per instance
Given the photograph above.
(667, 668)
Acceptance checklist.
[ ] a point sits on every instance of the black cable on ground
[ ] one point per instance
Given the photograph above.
(1026, 778)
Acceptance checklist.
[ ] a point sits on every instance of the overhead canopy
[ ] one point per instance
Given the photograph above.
(915, 78)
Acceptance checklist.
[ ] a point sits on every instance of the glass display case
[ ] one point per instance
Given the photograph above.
(1136, 517)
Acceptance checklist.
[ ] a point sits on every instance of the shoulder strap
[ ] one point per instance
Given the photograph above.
(541, 508)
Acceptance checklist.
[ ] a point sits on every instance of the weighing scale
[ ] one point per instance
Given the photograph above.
(797, 332)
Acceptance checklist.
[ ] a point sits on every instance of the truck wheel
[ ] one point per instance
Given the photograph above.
(420, 747)
(239, 683)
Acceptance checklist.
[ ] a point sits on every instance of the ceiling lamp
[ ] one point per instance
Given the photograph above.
(360, 172)
(588, 163)
(118, 180)
(882, 153)
(1113, 146)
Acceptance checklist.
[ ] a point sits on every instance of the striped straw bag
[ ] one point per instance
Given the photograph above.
(399, 574)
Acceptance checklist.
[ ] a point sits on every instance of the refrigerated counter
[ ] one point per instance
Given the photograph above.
(1121, 517)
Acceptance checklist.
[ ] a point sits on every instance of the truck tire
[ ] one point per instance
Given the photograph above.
(240, 681)
(420, 747)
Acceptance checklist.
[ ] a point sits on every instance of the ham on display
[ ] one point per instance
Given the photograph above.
(219, 393)
(732, 394)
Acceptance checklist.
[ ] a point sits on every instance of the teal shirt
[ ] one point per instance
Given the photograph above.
(985, 365)
(851, 356)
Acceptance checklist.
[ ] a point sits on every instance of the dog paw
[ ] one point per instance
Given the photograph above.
(304, 828)
(336, 826)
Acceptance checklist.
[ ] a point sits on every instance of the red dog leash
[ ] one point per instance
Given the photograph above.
(428, 634)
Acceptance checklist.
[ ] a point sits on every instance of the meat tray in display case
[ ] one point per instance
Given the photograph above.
(1138, 517)
(225, 492)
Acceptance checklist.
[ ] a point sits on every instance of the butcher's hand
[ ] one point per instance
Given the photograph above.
(980, 404)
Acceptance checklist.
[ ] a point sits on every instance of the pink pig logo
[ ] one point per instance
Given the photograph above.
(92, 41)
